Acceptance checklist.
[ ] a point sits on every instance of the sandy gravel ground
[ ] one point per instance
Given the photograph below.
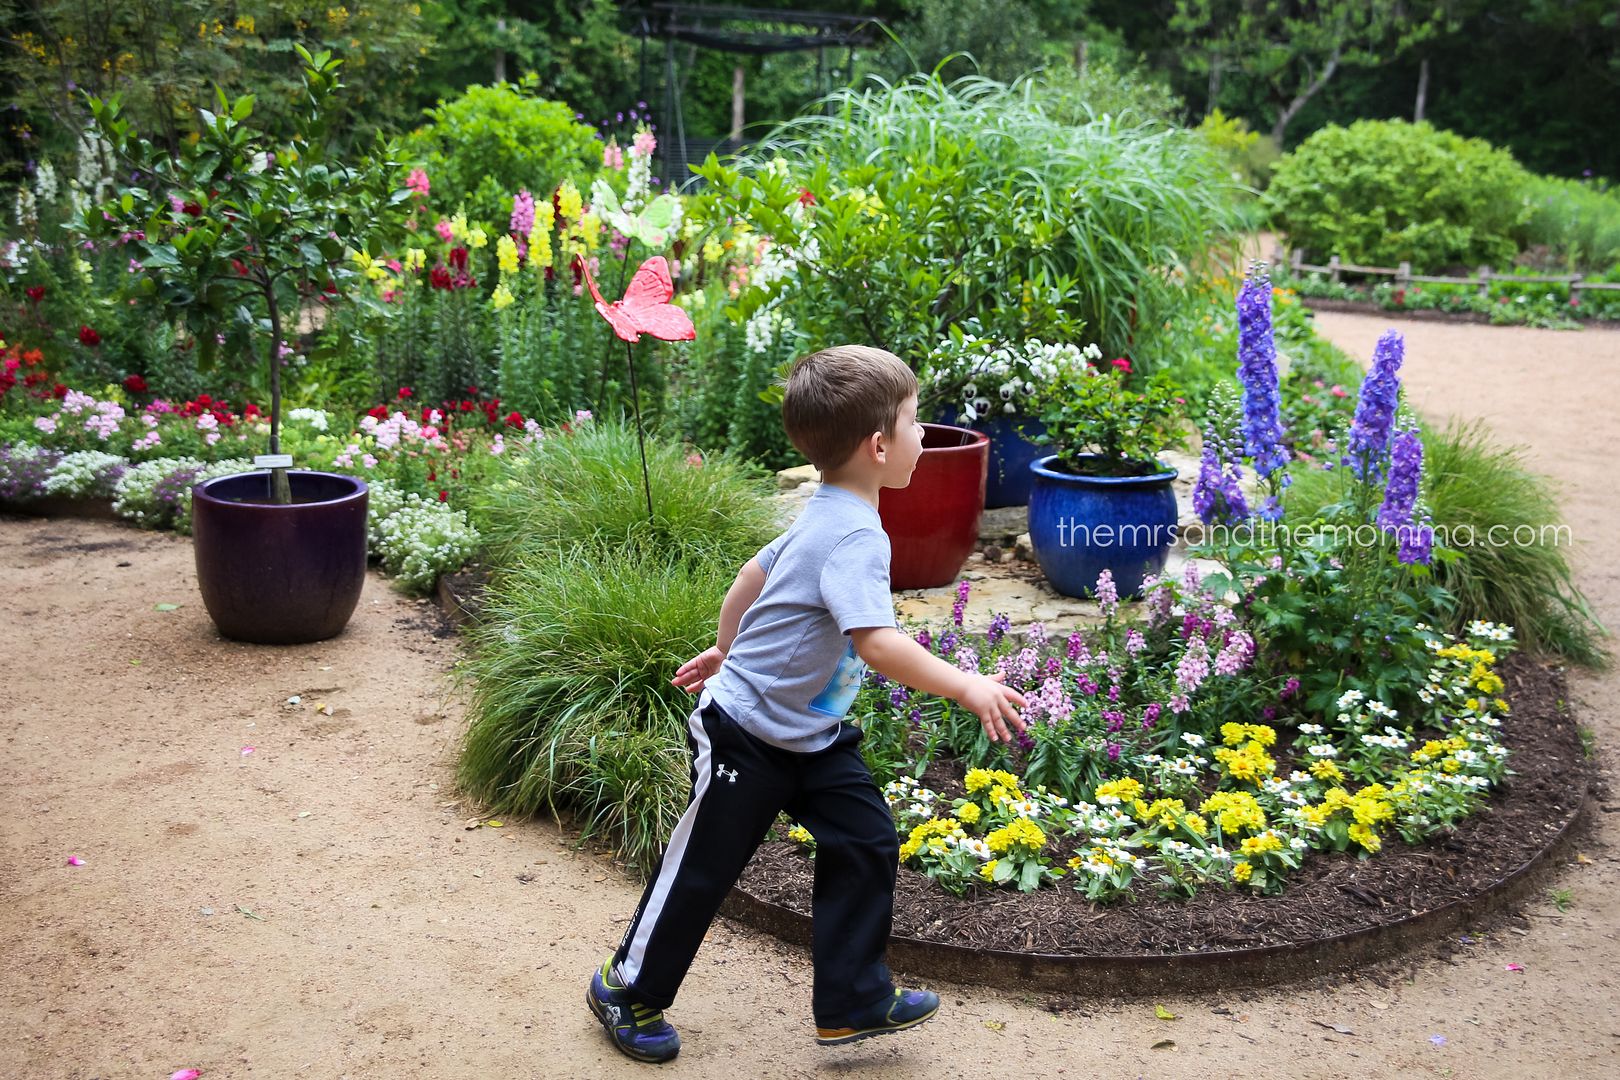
(317, 907)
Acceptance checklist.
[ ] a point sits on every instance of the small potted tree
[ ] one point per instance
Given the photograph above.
(1104, 501)
(230, 236)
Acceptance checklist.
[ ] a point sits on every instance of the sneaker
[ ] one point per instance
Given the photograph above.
(906, 1009)
(639, 1031)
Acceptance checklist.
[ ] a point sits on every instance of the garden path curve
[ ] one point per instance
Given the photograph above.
(317, 907)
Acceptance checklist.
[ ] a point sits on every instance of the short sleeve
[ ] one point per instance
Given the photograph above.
(767, 554)
(855, 581)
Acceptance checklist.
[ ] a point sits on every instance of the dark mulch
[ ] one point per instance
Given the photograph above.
(1328, 895)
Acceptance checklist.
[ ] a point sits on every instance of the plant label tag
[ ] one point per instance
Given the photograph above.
(272, 461)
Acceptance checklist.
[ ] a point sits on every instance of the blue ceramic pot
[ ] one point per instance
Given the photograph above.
(1008, 480)
(1082, 525)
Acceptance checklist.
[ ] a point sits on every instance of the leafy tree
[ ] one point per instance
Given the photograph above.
(163, 55)
(1292, 48)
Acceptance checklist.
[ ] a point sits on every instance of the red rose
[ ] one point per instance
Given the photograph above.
(514, 419)
(204, 399)
(379, 411)
(89, 337)
(36, 293)
(444, 496)
(405, 392)
(251, 411)
(135, 384)
(59, 390)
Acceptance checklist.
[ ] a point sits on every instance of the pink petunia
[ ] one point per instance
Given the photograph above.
(74, 860)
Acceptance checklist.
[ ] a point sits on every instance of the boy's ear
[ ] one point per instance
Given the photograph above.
(876, 447)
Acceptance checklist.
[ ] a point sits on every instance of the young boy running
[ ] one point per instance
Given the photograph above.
(798, 628)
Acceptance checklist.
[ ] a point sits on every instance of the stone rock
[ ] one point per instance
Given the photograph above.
(788, 479)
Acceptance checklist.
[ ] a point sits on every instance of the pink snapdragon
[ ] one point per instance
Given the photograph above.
(522, 214)
(644, 144)
(446, 233)
(612, 156)
(418, 182)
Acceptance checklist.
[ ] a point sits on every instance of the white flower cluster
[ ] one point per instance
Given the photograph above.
(135, 493)
(988, 376)
(768, 326)
(88, 474)
(315, 418)
(422, 540)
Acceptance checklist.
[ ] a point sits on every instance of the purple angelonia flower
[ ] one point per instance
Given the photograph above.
(1369, 438)
(998, 628)
(924, 638)
(1113, 751)
(1257, 370)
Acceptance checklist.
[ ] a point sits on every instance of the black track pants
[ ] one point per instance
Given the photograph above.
(739, 785)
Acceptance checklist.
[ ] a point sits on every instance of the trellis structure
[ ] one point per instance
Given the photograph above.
(746, 31)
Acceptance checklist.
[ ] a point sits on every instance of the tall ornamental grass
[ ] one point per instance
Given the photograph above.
(584, 489)
(1472, 485)
(572, 710)
(1575, 222)
(938, 203)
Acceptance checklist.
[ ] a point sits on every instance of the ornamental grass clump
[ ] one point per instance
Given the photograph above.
(583, 488)
(572, 711)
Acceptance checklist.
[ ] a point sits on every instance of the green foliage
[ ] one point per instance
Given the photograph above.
(1250, 155)
(492, 141)
(1087, 412)
(1385, 192)
(572, 710)
(1502, 519)
(239, 229)
(937, 203)
(163, 55)
(583, 489)
(1574, 224)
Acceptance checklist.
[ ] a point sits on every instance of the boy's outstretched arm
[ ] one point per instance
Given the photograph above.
(692, 675)
(889, 652)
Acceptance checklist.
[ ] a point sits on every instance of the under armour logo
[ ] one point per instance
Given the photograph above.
(728, 775)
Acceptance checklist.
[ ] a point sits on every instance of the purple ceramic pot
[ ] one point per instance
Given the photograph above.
(280, 574)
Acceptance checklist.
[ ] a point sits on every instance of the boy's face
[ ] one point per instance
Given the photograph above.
(904, 447)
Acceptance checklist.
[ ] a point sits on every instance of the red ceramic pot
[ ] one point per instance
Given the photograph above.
(933, 524)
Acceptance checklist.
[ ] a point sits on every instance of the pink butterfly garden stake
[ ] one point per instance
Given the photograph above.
(644, 309)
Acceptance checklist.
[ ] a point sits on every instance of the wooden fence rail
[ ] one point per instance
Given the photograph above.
(1403, 274)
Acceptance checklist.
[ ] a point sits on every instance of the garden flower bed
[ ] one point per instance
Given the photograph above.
(1336, 910)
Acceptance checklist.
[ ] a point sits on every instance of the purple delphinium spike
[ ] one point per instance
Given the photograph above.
(1405, 471)
(1257, 370)
(1374, 421)
(1218, 492)
(1416, 544)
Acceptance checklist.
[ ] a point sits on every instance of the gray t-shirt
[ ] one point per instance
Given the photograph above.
(792, 672)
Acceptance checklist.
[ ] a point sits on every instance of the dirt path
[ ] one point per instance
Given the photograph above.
(317, 908)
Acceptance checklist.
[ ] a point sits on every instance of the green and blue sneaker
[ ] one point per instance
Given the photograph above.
(639, 1031)
(906, 1009)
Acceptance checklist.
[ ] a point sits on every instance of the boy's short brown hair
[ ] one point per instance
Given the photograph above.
(836, 398)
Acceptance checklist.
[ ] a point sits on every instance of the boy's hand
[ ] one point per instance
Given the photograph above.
(692, 675)
(994, 704)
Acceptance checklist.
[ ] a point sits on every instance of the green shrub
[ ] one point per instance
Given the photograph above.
(1572, 224)
(1471, 485)
(484, 146)
(937, 203)
(1385, 191)
(572, 710)
(583, 489)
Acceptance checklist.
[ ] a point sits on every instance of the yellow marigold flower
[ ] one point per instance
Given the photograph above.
(1167, 811)
(969, 813)
(501, 298)
(1316, 814)
(1241, 872)
(988, 870)
(1262, 734)
(1195, 824)
(1336, 799)
(1235, 811)
(1364, 836)
(909, 849)
(1075, 862)
(1501, 706)
(1233, 733)
(1021, 832)
(1326, 770)
(1428, 751)
(506, 256)
(1126, 789)
(799, 835)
